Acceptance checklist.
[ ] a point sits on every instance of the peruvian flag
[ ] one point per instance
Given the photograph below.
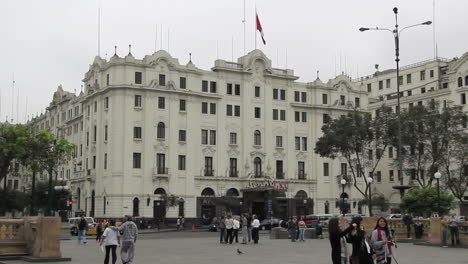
(259, 28)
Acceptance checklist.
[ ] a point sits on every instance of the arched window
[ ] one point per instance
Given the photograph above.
(104, 205)
(258, 167)
(161, 131)
(160, 191)
(301, 194)
(466, 80)
(136, 207)
(232, 192)
(460, 81)
(257, 138)
(208, 192)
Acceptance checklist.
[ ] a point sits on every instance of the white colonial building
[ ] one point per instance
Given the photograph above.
(155, 138)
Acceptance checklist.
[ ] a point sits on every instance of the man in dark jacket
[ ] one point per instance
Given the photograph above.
(82, 229)
(408, 221)
(293, 229)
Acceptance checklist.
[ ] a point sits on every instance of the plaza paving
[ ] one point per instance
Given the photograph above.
(204, 248)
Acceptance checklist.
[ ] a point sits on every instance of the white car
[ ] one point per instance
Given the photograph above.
(392, 216)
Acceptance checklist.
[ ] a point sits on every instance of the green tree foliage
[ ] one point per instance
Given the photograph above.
(454, 167)
(12, 200)
(361, 140)
(60, 197)
(422, 202)
(429, 134)
(13, 142)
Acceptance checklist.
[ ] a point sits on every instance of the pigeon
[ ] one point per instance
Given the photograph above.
(239, 252)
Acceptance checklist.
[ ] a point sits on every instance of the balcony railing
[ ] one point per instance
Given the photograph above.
(280, 175)
(162, 171)
(301, 175)
(209, 172)
(259, 174)
(233, 173)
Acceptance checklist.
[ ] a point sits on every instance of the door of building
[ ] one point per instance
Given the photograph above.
(159, 209)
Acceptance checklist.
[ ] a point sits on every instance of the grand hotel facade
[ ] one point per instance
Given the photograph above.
(155, 138)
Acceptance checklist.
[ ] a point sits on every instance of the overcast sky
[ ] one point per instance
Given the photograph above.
(51, 42)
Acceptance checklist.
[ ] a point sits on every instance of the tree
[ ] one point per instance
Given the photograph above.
(422, 202)
(13, 140)
(356, 137)
(455, 167)
(60, 197)
(12, 200)
(428, 134)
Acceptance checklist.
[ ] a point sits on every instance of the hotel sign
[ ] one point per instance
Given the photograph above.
(266, 185)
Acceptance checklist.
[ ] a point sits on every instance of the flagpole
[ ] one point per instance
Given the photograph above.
(243, 21)
(255, 26)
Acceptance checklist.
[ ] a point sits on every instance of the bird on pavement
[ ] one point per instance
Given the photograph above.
(239, 252)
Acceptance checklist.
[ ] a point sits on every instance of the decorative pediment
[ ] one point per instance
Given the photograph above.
(279, 131)
(279, 154)
(208, 151)
(161, 146)
(301, 155)
(257, 153)
(170, 85)
(233, 151)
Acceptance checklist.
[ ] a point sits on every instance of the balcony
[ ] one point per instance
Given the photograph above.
(280, 175)
(259, 174)
(302, 175)
(91, 174)
(233, 173)
(160, 173)
(208, 172)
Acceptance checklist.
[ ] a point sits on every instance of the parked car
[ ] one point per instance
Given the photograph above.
(392, 216)
(312, 220)
(324, 218)
(267, 224)
(74, 221)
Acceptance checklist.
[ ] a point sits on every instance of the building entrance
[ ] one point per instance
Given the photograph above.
(159, 209)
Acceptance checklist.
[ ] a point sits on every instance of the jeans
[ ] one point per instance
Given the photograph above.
(222, 235)
(249, 233)
(235, 234)
(344, 260)
(82, 236)
(114, 254)
(244, 234)
(454, 235)
(301, 234)
(444, 238)
(127, 253)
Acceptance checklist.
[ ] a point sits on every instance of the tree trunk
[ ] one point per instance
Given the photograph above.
(50, 194)
(33, 188)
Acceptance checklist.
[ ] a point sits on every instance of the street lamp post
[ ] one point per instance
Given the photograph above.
(396, 34)
(437, 175)
(343, 183)
(369, 181)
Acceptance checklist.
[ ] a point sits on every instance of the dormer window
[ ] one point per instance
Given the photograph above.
(138, 77)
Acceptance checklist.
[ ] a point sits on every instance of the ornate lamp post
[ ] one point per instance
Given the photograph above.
(369, 181)
(396, 34)
(343, 183)
(437, 175)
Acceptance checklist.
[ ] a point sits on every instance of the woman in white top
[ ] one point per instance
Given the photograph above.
(111, 239)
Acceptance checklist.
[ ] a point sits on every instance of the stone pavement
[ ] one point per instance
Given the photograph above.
(204, 248)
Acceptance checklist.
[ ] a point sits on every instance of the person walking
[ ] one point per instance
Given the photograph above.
(130, 234)
(302, 227)
(99, 231)
(178, 223)
(235, 229)
(292, 229)
(110, 238)
(381, 241)
(340, 252)
(255, 226)
(229, 228)
(82, 229)
(249, 227)
(182, 222)
(444, 227)
(245, 227)
(453, 222)
(222, 232)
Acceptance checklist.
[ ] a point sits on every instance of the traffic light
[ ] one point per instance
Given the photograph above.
(70, 202)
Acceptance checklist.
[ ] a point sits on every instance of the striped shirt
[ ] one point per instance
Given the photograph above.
(130, 231)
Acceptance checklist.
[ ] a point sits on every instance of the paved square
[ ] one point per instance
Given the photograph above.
(204, 247)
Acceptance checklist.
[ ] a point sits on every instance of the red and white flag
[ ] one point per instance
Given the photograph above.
(259, 28)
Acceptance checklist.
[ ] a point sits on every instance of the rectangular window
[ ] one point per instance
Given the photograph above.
(279, 141)
(105, 161)
(95, 134)
(380, 85)
(324, 98)
(181, 162)
(344, 169)
(408, 78)
(257, 91)
(162, 80)
(275, 94)
(303, 97)
(182, 105)
(94, 162)
(237, 89)
(183, 83)
(283, 94)
(138, 78)
(297, 116)
(229, 110)
(105, 133)
(275, 114)
(107, 79)
(400, 80)
(369, 87)
(304, 144)
(95, 109)
(229, 88)
(357, 102)
(237, 110)
(182, 135)
(283, 115)
(304, 117)
(213, 87)
(423, 90)
(213, 108)
(391, 177)
(233, 138)
(297, 143)
(325, 118)
(388, 83)
(431, 74)
(463, 99)
(161, 163)
(390, 152)
(297, 95)
(137, 132)
(136, 160)
(326, 171)
(137, 100)
(342, 100)
(212, 137)
(204, 86)
(257, 113)
(161, 102)
(106, 104)
(204, 137)
(409, 92)
(233, 167)
(209, 166)
(422, 75)
(204, 108)
(301, 170)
